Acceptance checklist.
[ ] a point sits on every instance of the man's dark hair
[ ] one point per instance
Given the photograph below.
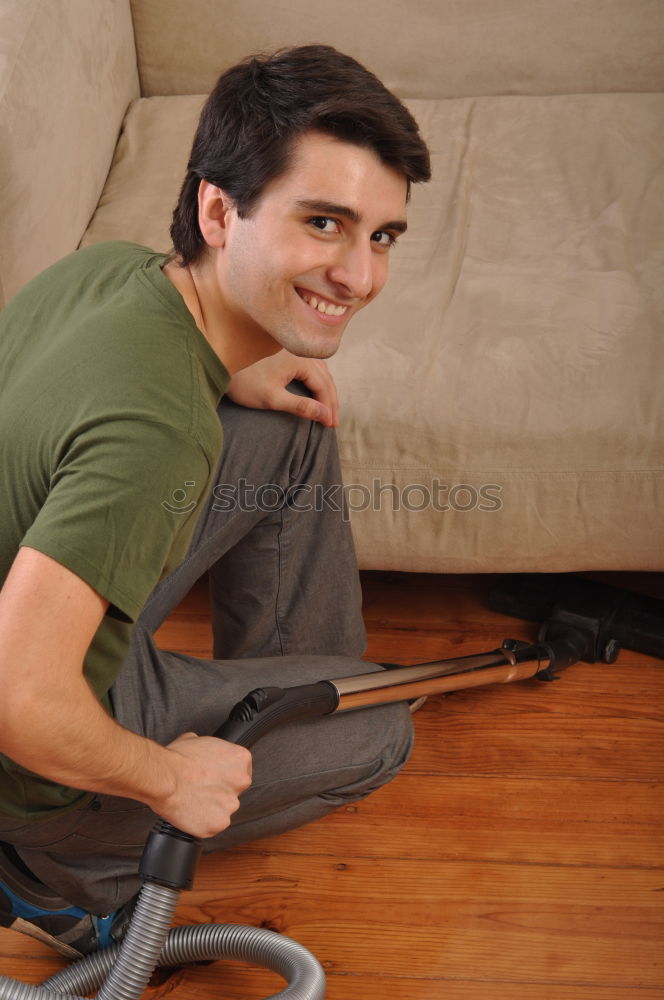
(258, 109)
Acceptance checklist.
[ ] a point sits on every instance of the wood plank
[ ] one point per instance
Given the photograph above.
(369, 916)
(498, 739)
(19, 961)
(563, 822)
(238, 982)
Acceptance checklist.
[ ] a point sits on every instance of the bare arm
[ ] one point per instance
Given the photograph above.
(52, 723)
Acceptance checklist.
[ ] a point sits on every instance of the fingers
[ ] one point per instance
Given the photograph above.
(263, 386)
(325, 404)
(302, 406)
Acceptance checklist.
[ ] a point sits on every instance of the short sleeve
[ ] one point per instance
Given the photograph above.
(121, 508)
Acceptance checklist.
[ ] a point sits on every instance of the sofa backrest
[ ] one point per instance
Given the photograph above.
(67, 75)
(419, 48)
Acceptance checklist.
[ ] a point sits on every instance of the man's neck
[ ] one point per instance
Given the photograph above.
(235, 348)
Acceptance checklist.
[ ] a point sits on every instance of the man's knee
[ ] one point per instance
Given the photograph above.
(394, 738)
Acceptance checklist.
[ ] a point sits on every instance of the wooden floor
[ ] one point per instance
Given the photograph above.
(518, 856)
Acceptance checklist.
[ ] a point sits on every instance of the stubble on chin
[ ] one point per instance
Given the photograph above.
(304, 347)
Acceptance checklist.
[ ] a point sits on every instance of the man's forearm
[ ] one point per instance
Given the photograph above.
(52, 723)
(65, 735)
(195, 782)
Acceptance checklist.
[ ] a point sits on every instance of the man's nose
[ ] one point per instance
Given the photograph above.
(354, 268)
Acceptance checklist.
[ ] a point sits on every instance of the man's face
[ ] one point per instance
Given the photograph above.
(315, 248)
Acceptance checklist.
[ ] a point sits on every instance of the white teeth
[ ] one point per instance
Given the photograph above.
(326, 308)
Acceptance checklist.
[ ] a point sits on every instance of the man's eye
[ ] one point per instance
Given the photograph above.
(384, 239)
(325, 224)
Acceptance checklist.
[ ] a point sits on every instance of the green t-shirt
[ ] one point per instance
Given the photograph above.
(109, 438)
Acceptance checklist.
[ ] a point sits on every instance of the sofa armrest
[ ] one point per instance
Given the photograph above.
(67, 74)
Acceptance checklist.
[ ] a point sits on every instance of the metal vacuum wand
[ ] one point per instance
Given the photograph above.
(437, 677)
(170, 855)
(265, 708)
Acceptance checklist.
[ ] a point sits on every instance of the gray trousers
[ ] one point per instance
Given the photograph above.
(286, 610)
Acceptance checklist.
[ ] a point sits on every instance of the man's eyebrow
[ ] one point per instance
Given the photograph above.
(331, 208)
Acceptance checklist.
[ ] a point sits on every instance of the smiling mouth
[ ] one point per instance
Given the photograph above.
(322, 306)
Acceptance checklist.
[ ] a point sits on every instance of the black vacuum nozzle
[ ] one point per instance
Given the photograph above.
(611, 616)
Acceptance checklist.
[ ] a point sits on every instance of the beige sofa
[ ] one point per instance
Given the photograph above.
(502, 403)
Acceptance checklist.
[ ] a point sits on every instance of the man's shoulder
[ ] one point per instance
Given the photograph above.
(118, 255)
(103, 268)
(120, 252)
(82, 277)
(100, 317)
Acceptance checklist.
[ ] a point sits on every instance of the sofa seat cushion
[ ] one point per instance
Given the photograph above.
(501, 400)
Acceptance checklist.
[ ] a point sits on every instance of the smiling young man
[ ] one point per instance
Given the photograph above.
(115, 363)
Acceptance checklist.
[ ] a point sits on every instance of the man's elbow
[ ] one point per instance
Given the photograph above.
(25, 710)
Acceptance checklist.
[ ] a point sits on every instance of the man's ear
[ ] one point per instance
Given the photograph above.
(213, 207)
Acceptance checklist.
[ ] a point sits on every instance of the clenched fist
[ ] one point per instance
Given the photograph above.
(210, 776)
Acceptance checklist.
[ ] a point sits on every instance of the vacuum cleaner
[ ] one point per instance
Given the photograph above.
(581, 620)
